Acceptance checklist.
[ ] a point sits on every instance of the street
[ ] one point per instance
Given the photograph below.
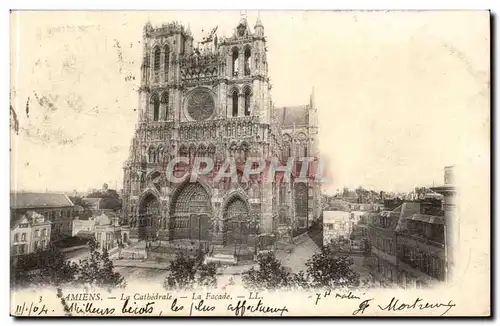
(304, 248)
(301, 251)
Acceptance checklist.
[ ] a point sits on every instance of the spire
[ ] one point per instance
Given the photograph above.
(148, 25)
(259, 22)
(311, 99)
(259, 27)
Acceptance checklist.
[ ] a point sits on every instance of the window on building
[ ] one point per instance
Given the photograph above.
(302, 148)
(167, 60)
(44, 232)
(235, 103)
(44, 244)
(234, 62)
(16, 237)
(282, 193)
(37, 233)
(247, 61)
(22, 249)
(164, 103)
(301, 199)
(23, 237)
(183, 45)
(155, 101)
(36, 245)
(247, 101)
(156, 61)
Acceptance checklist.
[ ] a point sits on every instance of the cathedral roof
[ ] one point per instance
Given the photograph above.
(293, 115)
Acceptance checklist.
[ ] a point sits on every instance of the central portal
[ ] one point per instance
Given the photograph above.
(190, 213)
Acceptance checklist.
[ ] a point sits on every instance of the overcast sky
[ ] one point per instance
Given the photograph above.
(399, 95)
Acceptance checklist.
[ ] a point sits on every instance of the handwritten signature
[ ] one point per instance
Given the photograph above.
(419, 303)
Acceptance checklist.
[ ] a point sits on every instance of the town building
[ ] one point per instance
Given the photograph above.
(55, 207)
(337, 227)
(421, 254)
(100, 203)
(105, 227)
(383, 263)
(407, 243)
(360, 238)
(83, 226)
(214, 101)
(29, 233)
(109, 233)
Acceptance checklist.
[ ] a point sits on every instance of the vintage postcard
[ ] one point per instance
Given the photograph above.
(250, 163)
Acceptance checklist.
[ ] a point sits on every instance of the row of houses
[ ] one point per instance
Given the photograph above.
(348, 229)
(410, 243)
(37, 219)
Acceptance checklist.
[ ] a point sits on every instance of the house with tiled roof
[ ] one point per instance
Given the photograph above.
(56, 208)
(407, 244)
(29, 232)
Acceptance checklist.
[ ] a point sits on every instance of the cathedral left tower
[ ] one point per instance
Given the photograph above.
(145, 196)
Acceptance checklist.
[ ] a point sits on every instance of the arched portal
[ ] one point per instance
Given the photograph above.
(149, 217)
(189, 214)
(236, 222)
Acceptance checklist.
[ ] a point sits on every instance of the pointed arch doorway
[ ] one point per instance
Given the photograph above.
(149, 217)
(190, 213)
(236, 219)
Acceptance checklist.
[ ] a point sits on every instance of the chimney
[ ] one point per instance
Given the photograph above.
(449, 175)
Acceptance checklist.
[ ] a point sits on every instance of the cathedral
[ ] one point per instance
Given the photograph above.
(214, 100)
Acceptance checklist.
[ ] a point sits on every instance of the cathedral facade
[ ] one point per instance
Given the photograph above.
(214, 100)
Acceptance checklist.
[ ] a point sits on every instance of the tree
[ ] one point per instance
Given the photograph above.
(79, 201)
(325, 269)
(97, 269)
(270, 275)
(300, 281)
(184, 272)
(44, 267)
(55, 268)
(107, 193)
(206, 275)
(181, 273)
